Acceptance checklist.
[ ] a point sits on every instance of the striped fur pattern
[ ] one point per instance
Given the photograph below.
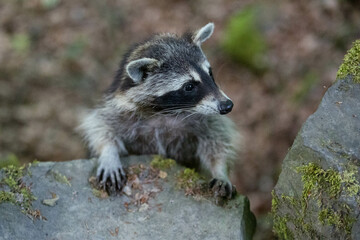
(164, 100)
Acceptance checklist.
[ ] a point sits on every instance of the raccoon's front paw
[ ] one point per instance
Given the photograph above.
(111, 175)
(222, 188)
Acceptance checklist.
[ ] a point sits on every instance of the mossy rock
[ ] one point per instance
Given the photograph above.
(351, 64)
(317, 195)
(153, 207)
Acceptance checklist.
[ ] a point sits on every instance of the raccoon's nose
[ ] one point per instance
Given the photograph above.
(225, 106)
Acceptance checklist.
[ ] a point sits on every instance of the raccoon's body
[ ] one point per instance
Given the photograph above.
(164, 101)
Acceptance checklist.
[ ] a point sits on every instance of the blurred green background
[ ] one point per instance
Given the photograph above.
(275, 60)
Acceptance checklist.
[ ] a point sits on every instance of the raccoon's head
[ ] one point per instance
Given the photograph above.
(168, 73)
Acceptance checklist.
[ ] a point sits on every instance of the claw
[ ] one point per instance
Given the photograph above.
(118, 180)
(212, 183)
(222, 188)
(99, 175)
(111, 180)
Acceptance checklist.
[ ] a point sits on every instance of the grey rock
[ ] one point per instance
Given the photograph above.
(330, 139)
(78, 214)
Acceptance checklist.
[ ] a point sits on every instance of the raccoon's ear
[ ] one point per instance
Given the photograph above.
(203, 33)
(137, 69)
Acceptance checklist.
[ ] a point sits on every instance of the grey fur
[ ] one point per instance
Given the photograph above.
(204, 33)
(138, 119)
(134, 68)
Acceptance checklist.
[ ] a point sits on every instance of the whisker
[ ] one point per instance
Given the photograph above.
(188, 116)
(174, 105)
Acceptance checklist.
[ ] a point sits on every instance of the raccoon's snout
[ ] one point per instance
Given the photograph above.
(225, 106)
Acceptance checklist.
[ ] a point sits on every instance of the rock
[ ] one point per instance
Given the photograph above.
(317, 194)
(156, 209)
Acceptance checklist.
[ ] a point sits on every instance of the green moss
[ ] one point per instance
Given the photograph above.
(243, 40)
(274, 202)
(162, 163)
(7, 197)
(19, 193)
(327, 216)
(102, 194)
(96, 193)
(323, 187)
(187, 178)
(279, 225)
(351, 184)
(319, 183)
(317, 180)
(35, 162)
(351, 64)
(10, 159)
(13, 176)
(291, 200)
(281, 229)
(340, 219)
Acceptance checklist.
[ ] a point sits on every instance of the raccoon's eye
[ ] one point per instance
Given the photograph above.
(189, 87)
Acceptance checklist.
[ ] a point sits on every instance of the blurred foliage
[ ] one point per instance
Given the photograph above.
(264, 225)
(309, 82)
(10, 159)
(243, 40)
(21, 42)
(75, 49)
(50, 4)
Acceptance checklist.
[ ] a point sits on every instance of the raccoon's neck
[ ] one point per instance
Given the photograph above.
(158, 119)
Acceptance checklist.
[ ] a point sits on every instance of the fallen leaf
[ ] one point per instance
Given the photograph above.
(144, 207)
(114, 234)
(127, 190)
(51, 202)
(162, 174)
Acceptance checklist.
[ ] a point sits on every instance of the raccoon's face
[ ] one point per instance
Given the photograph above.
(175, 76)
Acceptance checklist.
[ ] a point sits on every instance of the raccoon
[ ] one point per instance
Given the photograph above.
(164, 100)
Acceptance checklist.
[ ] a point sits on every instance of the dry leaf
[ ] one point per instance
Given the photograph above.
(162, 174)
(144, 207)
(51, 202)
(127, 190)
